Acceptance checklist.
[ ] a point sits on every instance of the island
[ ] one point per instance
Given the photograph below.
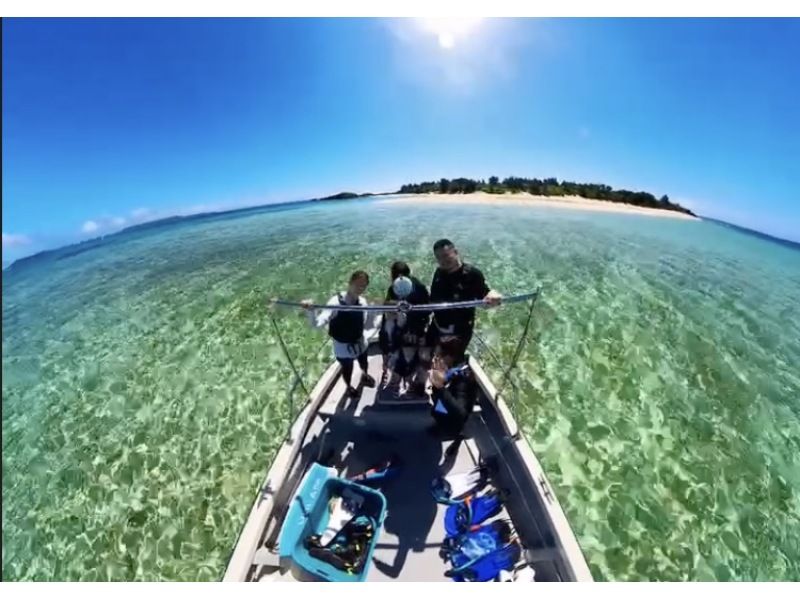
(510, 191)
(544, 188)
(347, 195)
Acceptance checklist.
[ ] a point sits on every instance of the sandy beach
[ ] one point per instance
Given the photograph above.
(526, 199)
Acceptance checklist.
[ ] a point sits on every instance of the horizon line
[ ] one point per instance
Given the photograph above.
(173, 217)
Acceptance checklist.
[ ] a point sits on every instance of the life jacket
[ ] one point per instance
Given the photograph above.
(346, 326)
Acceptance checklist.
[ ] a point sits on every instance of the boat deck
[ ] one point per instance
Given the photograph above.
(381, 424)
(354, 434)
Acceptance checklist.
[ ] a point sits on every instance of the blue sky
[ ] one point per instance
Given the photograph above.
(111, 122)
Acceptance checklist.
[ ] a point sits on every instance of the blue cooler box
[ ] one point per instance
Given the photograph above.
(308, 515)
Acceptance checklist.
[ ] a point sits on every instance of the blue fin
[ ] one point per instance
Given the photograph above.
(488, 567)
(464, 548)
(459, 518)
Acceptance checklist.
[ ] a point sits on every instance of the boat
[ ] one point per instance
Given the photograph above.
(344, 436)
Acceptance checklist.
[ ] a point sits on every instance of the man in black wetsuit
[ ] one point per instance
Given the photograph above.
(456, 281)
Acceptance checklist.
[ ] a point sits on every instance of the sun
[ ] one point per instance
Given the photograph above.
(446, 40)
(450, 32)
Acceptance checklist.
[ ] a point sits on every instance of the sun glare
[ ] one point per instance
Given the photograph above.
(450, 32)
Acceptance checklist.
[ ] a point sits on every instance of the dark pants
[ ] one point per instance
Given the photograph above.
(347, 367)
(432, 337)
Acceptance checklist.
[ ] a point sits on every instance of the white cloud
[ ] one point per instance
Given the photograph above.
(103, 225)
(141, 213)
(10, 240)
(90, 226)
(16, 246)
(106, 224)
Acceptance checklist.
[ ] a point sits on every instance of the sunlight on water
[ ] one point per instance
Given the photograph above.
(144, 393)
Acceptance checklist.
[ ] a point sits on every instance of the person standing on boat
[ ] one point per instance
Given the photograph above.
(454, 281)
(402, 334)
(348, 329)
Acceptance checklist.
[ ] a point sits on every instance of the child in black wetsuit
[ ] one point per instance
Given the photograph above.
(455, 390)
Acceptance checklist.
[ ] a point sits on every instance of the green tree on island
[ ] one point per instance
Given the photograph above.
(548, 187)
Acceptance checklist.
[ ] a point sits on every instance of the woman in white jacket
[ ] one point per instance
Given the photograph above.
(348, 329)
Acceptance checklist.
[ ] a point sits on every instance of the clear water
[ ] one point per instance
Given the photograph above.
(144, 393)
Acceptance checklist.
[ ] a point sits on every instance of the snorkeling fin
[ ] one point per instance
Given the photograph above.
(462, 549)
(489, 566)
(474, 510)
(453, 488)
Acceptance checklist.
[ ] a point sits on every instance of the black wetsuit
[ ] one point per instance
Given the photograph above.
(453, 403)
(465, 284)
(417, 322)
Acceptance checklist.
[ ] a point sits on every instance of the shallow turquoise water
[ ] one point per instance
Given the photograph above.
(144, 393)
